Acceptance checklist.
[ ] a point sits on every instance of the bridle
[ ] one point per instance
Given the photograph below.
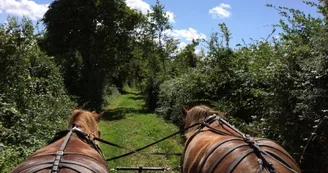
(59, 162)
(255, 147)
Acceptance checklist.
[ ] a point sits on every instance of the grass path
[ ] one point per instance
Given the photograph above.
(127, 124)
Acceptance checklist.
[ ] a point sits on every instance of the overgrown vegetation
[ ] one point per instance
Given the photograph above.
(274, 87)
(33, 103)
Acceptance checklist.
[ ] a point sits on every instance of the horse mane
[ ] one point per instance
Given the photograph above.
(85, 120)
(197, 114)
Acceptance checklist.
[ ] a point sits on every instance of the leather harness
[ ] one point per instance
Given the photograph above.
(245, 141)
(59, 162)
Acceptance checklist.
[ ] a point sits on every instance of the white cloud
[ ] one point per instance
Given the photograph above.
(23, 8)
(223, 5)
(170, 15)
(198, 51)
(182, 45)
(144, 7)
(220, 11)
(187, 34)
(140, 5)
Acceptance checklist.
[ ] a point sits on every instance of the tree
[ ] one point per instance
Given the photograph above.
(160, 23)
(185, 59)
(152, 52)
(97, 34)
(226, 33)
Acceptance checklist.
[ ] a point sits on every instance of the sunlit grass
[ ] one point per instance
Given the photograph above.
(131, 100)
(136, 129)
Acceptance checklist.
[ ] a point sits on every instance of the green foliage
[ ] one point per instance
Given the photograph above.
(300, 90)
(88, 46)
(155, 49)
(110, 93)
(187, 89)
(185, 59)
(275, 88)
(32, 96)
(151, 91)
(226, 33)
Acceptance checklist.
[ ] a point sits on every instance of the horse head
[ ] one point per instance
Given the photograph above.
(197, 114)
(86, 121)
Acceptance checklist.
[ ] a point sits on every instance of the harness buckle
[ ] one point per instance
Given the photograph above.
(209, 119)
(55, 169)
(92, 136)
(248, 139)
(60, 153)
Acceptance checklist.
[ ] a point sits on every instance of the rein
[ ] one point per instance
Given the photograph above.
(147, 146)
(264, 163)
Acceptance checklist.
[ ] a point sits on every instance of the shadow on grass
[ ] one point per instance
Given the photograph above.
(136, 97)
(129, 92)
(119, 113)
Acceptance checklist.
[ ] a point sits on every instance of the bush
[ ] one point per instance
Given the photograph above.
(150, 89)
(187, 89)
(33, 102)
(110, 93)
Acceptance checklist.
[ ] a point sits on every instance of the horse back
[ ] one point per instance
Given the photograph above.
(209, 152)
(78, 157)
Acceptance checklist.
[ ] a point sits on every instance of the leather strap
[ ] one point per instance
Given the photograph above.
(281, 151)
(58, 162)
(248, 141)
(202, 163)
(28, 166)
(235, 163)
(70, 164)
(39, 168)
(220, 159)
(60, 152)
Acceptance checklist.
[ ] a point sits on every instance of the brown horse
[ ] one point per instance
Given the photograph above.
(213, 146)
(72, 150)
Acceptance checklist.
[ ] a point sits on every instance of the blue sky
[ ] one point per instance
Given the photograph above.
(191, 18)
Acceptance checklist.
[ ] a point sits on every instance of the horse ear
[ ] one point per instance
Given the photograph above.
(184, 112)
(98, 117)
(75, 111)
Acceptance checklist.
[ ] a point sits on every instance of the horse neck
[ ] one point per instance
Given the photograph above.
(215, 125)
(224, 128)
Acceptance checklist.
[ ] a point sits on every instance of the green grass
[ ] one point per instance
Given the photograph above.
(127, 101)
(127, 124)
